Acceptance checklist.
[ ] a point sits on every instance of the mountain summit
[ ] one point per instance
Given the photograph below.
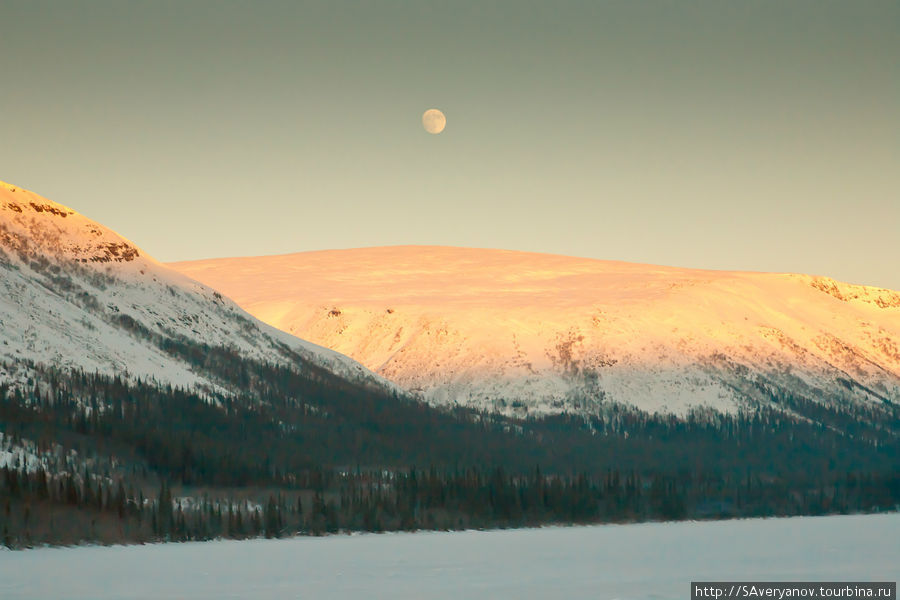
(536, 334)
(77, 295)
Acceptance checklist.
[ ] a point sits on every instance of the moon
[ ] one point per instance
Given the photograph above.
(434, 121)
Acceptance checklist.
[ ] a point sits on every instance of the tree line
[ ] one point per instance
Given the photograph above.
(109, 459)
(39, 507)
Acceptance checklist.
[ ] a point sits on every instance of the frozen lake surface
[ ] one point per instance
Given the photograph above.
(654, 560)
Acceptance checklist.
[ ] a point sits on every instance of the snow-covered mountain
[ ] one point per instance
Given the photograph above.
(74, 294)
(536, 333)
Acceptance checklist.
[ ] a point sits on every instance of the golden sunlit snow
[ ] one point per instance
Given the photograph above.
(478, 326)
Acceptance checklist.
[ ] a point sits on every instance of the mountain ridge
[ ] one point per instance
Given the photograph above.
(79, 295)
(136, 403)
(549, 333)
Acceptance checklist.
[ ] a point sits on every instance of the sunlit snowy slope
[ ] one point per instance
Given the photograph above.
(537, 333)
(75, 294)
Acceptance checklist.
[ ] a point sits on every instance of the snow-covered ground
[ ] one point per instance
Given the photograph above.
(511, 330)
(656, 560)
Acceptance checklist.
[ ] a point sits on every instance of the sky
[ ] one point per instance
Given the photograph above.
(759, 135)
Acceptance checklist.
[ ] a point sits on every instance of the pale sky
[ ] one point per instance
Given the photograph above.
(757, 135)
